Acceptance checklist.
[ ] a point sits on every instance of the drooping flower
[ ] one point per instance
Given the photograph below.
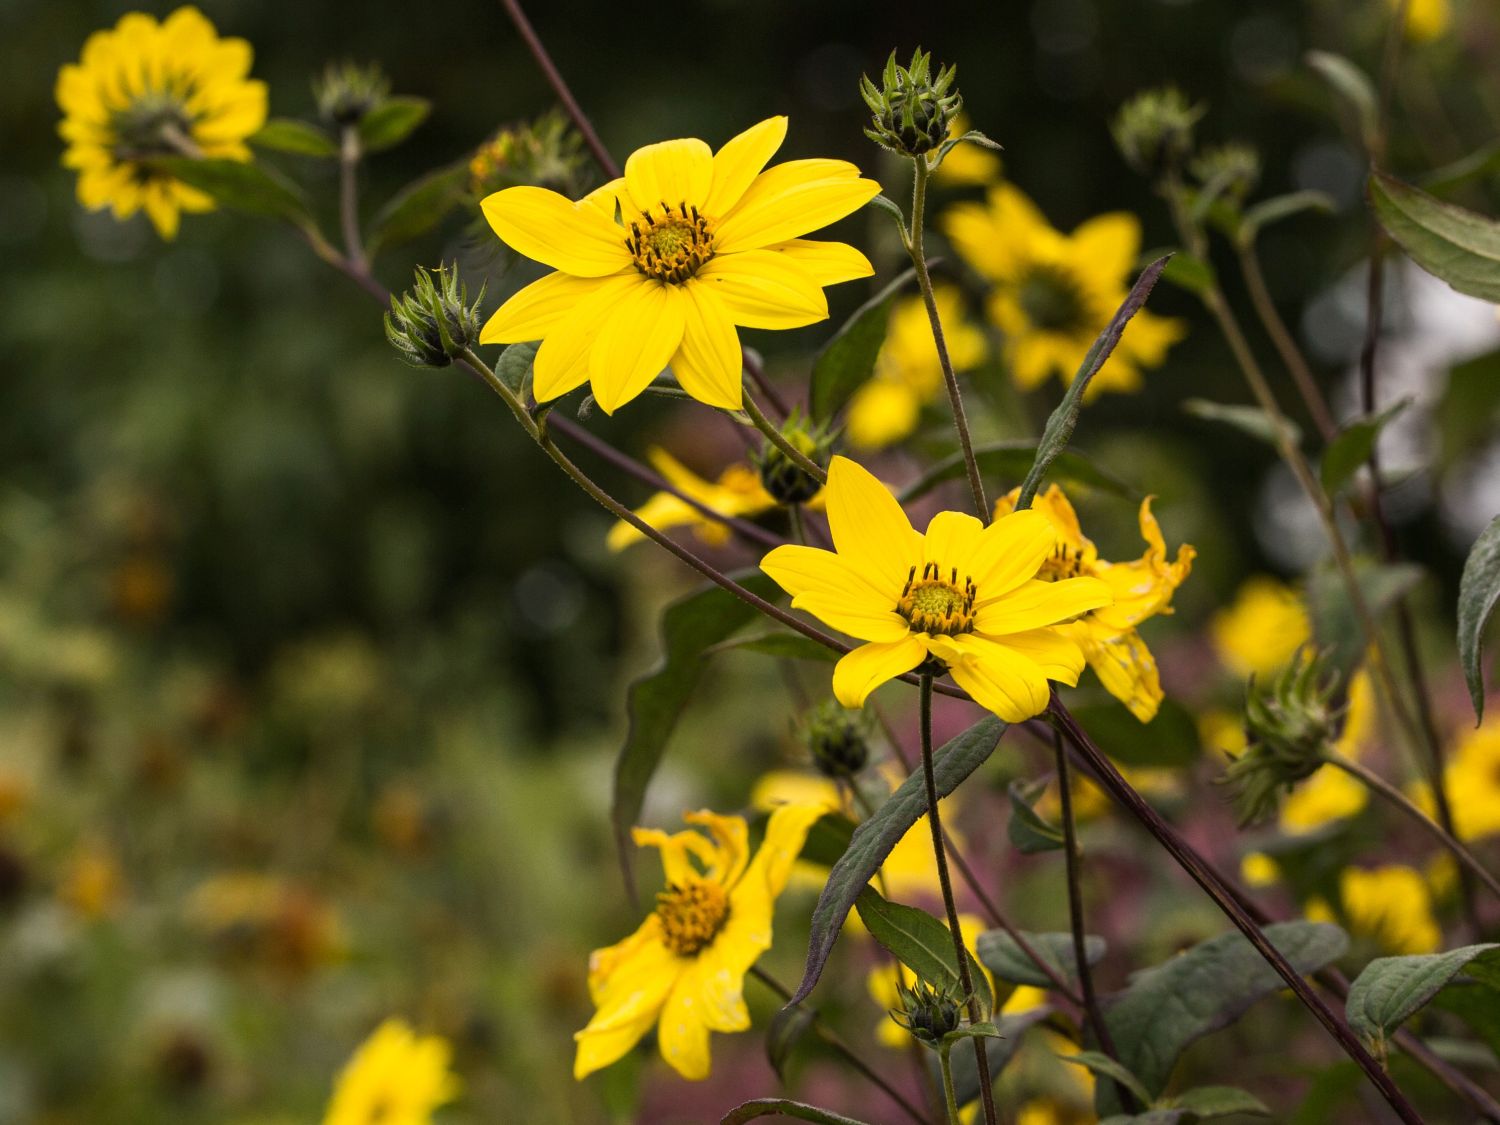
(1055, 292)
(907, 372)
(1259, 632)
(395, 1077)
(663, 265)
(684, 968)
(970, 596)
(146, 90)
(1391, 905)
(1472, 783)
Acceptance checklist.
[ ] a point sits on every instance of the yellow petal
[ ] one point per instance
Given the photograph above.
(707, 365)
(1127, 670)
(825, 585)
(860, 672)
(682, 1034)
(761, 289)
(1003, 680)
(726, 859)
(562, 360)
(1037, 604)
(671, 172)
(880, 413)
(1053, 650)
(162, 210)
(630, 982)
(791, 200)
(541, 224)
(828, 263)
(739, 161)
(536, 310)
(716, 981)
(637, 339)
(1109, 243)
(870, 531)
(662, 511)
(1010, 551)
(950, 541)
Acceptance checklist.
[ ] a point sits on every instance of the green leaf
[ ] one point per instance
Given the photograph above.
(828, 839)
(391, 122)
(240, 186)
(982, 1030)
(1279, 207)
(783, 645)
(891, 208)
(1334, 624)
(1059, 429)
(286, 134)
(1478, 592)
(655, 701)
(1480, 162)
(1101, 1064)
(1010, 460)
(1001, 955)
(921, 943)
(418, 207)
(515, 364)
(998, 1051)
(787, 1028)
(1391, 989)
(848, 359)
(1170, 740)
(1168, 1007)
(1190, 273)
(1352, 445)
(782, 1107)
(1448, 242)
(878, 834)
(1350, 83)
(1207, 1102)
(1028, 831)
(1475, 1005)
(1250, 420)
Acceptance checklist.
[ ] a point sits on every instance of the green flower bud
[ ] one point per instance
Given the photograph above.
(786, 481)
(348, 91)
(837, 738)
(432, 322)
(911, 112)
(1154, 130)
(1233, 168)
(927, 1012)
(547, 153)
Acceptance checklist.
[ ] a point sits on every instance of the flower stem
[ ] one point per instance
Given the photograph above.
(950, 1097)
(782, 442)
(918, 256)
(939, 852)
(349, 157)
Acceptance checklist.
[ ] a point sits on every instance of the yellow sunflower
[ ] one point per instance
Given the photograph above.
(1054, 292)
(395, 1077)
(1263, 628)
(684, 968)
(1472, 782)
(964, 594)
(147, 90)
(1142, 588)
(662, 265)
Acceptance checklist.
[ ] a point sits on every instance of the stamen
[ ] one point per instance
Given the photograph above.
(674, 246)
(937, 605)
(691, 915)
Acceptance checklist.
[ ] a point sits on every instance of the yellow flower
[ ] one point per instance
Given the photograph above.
(1054, 292)
(1142, 589)
(684, 968)
(396, 1077)
(148, 90)
(963, 593)
(93, 884)
(1390, 904)
(1221, 731)
(1259, 870)
(704, 243)
(967, 163)
(1472, 782)
(907, 372)
(1258, 634)
(1425, 19)
(1331, 794)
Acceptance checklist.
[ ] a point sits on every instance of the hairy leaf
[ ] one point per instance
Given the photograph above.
(921, 943)
(1001, 955)
(515, 365)
(1447, 241)
(1391, 989)
(1478, 593)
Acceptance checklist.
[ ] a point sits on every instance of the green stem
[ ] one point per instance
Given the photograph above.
(950, 1096)
(782, 442)
(349, 157)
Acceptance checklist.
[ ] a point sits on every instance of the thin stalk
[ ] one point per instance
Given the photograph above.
(1281, 337)
(782, 442)
(918, 257)
(349, 157)
(1385, 789)
(950, 1097)
(940, 854)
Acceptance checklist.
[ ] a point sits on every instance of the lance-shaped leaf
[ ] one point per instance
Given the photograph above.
(1391, 989)
(921, 943)
(240, 186)
(783, 645)
(1010, 460)
(1352, 445)
(1028, 831)
(1206, 1103)
(876, 836)
(286, 134)
(1059, 429)
(1448, 242)
(1250, 420)
(783, 1107)
(391, 122)
(514, 367)
(1478, 593)
(1002, 955)
(848, 359)
(418, 207)
(1096, 1062)
(1355, 87)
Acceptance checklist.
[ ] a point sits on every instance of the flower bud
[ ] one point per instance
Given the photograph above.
(547, 153)
(927, 1012)
(837, 738)
(347, 92)
(432, 322)
(786, 481)
(1154, 130)
(911, 112)
(1233, 168)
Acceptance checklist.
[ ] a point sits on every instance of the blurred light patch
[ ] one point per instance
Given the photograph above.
(1287, 526)
(104, 238)
(1471, 496)
(548, 599)
(1334, 167)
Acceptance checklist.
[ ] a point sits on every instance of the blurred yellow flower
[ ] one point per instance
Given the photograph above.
(1425, 19)
(268, 919)
(1330, 794)
(395, 1077)
(147, 90)
(1472, 782)
(704, 243)
(1054, 292)
(976, 605)
(93, 883)
(1258, 634)
(907, 372)
(1142, 589)
(15, 791)
(684, 968)
(1259, 870)
(967, 163)
(1221, 731)
(1391, 905)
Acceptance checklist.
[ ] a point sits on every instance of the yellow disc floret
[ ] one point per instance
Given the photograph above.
(672, 246)
(691, 915)
(933, 604)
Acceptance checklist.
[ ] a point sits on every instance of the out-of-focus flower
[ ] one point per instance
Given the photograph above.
(1221, 731)
(15, 791)
(1425, 19)
(1332, 794)
(705, 243)
(967, 163)
(684, 968)
(1154, 129)
(93, 883)
(1054, 292)
(1142, 589)
(268, 920)
(395, 1077)
(976, 604)
(346, 92)
(737, 492)
(402, 817)
(147, 90)
(1391, 905)
(907, 372)
(1090, 801)
(837, 738)
(1259, 870)
(547, 152)
(1472, 783)
(1259, 632)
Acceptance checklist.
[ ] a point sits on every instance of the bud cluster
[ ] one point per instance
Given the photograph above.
(786, 481)
(837, 738)
(928, 1013)
(1231, 170)
(547, 152)
(432, 323)
(911, 112)
(1154, 130)
(348, 91)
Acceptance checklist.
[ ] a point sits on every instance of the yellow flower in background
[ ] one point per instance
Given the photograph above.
(1425, 19)
(1054, 292)
(93, 883)
(1330, 794)
(1472, 782)
(395, 1077)
(1258, 634)
(967, 163)
(963, 593)
(1090, 801)
(1142, 589)
(684, 968)
(1222, 731)
(147, 90)
(1259, 870)
(907, 372)
(1391, 905)
(704, 243)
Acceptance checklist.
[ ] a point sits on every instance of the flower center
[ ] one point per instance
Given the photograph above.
(671, 246)
(1052, 300)
(691, 915)
(934, 604)
(156, 123)
(1061, 564)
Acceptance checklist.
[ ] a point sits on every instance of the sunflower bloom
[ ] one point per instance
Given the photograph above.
(964, 594)
(1142, 588)
(1054, 292)
(147, 90)
(1472, 782)
(684, 968)
(1391, 905)
(907, 373)
(663, 265)
(1263, 628)
(395, 1077)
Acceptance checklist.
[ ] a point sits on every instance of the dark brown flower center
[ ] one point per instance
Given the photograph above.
(691, 915)
(671, 246)
(1052, 299)
(934, 604)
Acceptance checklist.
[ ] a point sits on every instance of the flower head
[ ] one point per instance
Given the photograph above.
(1472, 782)
(684, 968)
(395, 1077)
(782, 477)
(913, 109)
(1154, 129)
(1142, 588)
(147, 90)
(347, 91)
(1054, 292)
(664, 264)
(969, 596)
(1391, 904)
(1331, 794)
(432, 323)
(1258, 634)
